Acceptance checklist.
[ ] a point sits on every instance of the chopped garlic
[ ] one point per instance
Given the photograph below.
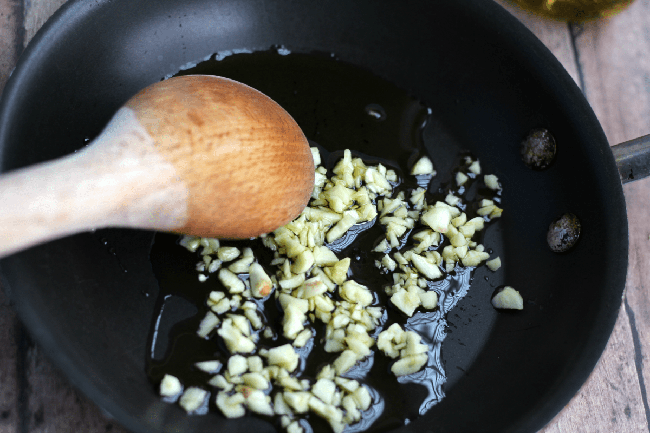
(452, 200)
(509, 299)
(407, 301)
(289, 382)
(221, 306)
(241, 266)
(293, 320)
(231, 406)
(395, 342)
(388, 263)
(214, 266)
(354, 292)
(292, 282)
(209, 366)
(294, 427)
(234, 339)
(418, 198)
(302, 338)
(438, 219)
(170, 386)
(255, 380)
(261, 284)
(193, 399)
(333, 415)
(474, 258)
(362, 397)
(227, 254)
(298, 401)
(345, 361)
(338, 197)
(210, 245)
(259, 402)
(315, 153)
(231, 281)
(494, 264)
(301, 305)
(313, 284)
(255, 364)
(409, 365)
(423, 166)
(323, 256)
(191, 243)
(475, 167)
(429, 300)
(237, 365)
(338, 272)
(208, 324)
(349, 219)
(280, 406)
(304, 261)
(429, 270)
(324, 389)
(492, 182)
(283, 356)
(220, 382)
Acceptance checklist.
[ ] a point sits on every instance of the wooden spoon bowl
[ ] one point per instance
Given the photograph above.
(200, 155)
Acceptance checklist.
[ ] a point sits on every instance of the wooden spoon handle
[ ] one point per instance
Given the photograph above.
(118, 180)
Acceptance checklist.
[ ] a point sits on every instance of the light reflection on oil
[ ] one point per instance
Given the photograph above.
(432, 329)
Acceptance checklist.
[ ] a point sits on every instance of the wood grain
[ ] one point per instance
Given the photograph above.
(123, 173)
(610, 400)
(614, 56)
(9, 413)
(10, 37)
(53, 406)
(10, 48)
(36, 13)
(34, 396)
(554, 34)
(603, 59)
(610, 60)
(637, 196)
(236, 152)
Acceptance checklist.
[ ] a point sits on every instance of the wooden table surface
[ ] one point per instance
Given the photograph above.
(610, 61)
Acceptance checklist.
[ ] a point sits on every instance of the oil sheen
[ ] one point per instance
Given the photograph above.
(338, 106)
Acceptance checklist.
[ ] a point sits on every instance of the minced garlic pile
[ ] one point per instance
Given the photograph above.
(312, 286)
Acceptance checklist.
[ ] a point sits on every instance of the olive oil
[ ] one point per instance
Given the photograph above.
(574, 10)
(338, 106)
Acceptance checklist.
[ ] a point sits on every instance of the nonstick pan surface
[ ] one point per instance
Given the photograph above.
(89, 299)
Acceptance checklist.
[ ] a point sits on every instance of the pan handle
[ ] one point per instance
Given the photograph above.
(633, 158)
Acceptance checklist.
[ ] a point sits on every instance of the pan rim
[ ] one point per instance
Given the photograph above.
(65, 20)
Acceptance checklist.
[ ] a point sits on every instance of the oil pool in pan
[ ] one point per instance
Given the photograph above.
(339, 106)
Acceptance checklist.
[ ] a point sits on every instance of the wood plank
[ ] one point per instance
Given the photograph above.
(10, 37)
(9, 413)
(10, 47)
(637, 196)
(36, 13)
(554, 34)
(614, 397)
(609, 400)
(55, 406)
(615, 58)
(614, 55)
(43, 376)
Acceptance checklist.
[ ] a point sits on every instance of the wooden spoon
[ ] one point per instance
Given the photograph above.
(199, 155)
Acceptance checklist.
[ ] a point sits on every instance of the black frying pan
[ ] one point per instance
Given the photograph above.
(488, 80)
